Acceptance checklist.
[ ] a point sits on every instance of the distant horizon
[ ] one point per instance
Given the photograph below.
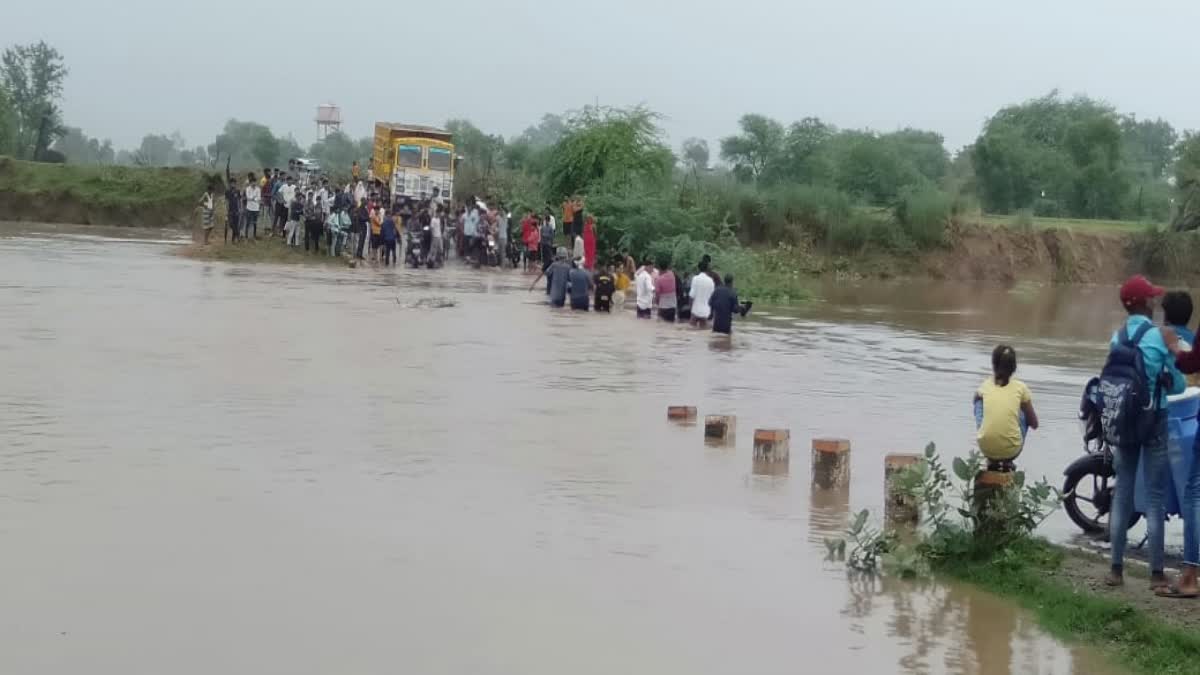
(673, 142)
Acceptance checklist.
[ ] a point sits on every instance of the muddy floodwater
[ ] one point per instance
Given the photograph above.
(211, 468)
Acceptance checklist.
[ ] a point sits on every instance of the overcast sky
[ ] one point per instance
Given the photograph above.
(139, 66)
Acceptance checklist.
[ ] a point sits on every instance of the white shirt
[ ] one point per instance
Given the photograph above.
(288, 191)
(253, 195)
(323, 200)
(702, 290)
(645, 289)
(435, 227)
(553, 225)
(207, 200)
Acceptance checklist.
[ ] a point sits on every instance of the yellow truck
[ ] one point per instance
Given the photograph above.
(415, 161)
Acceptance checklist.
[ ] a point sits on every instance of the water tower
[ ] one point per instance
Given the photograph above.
(329, 119)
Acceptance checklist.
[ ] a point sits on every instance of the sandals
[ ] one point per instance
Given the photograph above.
(1175, 592)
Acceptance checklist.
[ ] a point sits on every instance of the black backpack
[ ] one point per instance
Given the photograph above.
(1126, 398)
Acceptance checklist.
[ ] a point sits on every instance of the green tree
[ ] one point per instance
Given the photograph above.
(289, 148)
(1187, 183)
(32, 77)
(156, 150)
(925, 150)
(756, 148)
(695, 154)
(472, 143)
(614, 145)
(1149, 145)
(805, 156)
(250, 145)
(1053, 153)
(871, 167)
(78, 148)
(8, 125)
(546, 133)
(337, 153)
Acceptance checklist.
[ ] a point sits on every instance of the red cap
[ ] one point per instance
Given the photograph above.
(1138, 289)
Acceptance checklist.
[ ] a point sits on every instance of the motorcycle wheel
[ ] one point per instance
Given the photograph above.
(1089, 489)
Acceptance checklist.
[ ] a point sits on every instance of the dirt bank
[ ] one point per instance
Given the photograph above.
(983, 253)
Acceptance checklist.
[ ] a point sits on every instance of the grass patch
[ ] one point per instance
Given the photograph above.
(1029, 572)
(271, 251)
(1027, 221)
(105, 186)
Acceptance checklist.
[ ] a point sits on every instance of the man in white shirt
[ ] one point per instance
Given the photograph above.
(436, 247)
(253, 205)
(323, 198)
(644, 286)
(701, 291)
(288, 193)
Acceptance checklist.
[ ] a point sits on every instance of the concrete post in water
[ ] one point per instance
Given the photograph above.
(681, 413)
(772, 451)
(719, 428)
(899, 509)
(830, 463)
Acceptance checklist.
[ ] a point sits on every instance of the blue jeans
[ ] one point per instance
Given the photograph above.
(1125, 461)
(1191, 511)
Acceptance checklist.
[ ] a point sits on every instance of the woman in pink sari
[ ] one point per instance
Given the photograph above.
(589, 243)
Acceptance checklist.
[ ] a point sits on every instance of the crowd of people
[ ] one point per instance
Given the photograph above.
(697, 299)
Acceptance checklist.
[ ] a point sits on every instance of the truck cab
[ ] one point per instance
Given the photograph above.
(415, 161)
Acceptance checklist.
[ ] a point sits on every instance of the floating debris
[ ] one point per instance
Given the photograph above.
(429, 303)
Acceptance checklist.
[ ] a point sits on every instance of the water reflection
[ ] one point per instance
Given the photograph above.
(292, 465)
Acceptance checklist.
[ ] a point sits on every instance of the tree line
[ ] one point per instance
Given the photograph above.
(1049, 156)
(32, 127)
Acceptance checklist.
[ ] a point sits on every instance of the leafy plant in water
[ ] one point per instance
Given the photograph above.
(956, 520)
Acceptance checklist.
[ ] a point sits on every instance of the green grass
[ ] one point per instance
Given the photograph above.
(271, 250)
(119, 187)
(1131, 636)
(1044, 223)
(1039, 222)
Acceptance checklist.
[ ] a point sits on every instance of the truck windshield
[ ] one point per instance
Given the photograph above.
(408, 156)
(439, 159)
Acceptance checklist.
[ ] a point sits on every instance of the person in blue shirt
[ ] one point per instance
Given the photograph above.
(389, 233)
(1177, 313)
(1139, 297)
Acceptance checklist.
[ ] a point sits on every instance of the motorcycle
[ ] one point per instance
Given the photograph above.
(493, 256)
(412, 256)
(1090, 481)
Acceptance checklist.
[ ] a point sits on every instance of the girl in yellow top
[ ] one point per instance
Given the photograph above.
(1003, 410)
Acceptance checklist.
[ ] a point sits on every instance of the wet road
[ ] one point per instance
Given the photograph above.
(213, 468)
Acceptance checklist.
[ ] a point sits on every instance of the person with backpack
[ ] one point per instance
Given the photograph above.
(1132, 396)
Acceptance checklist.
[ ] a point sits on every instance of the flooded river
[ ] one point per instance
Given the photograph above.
(209, 468)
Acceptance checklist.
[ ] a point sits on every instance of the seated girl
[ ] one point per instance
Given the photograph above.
(1003, 412)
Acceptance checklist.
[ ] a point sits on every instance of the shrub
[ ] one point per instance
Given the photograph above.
(956, 524)
(1023, 220)
(797, 212)
(850, 234)
(923, 213)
